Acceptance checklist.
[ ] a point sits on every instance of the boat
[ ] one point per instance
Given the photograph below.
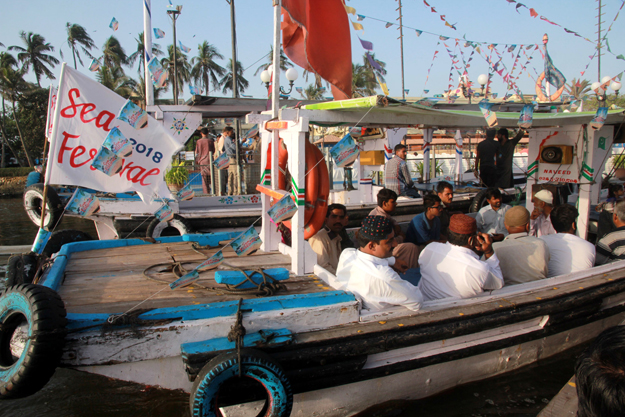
(307, 346)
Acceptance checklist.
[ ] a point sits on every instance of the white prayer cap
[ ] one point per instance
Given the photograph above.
(545, 195)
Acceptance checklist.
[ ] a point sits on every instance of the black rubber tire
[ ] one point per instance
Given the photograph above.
(61, 237)
(478, 202)
(21, 269)
(159, 229)
(257, 366)
(33, 201)
(40, 313)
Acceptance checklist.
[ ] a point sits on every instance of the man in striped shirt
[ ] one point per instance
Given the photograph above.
(397, 176)
(612, 246)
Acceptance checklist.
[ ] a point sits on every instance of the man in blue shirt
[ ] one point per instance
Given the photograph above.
(426, 227)
(230, 149)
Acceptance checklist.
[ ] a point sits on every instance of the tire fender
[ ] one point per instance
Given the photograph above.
(21, 269)
(256, 365)
(156, 227)
(478, 202)
(33, 200)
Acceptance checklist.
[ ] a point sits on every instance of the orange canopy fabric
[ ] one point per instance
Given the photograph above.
(315, 35)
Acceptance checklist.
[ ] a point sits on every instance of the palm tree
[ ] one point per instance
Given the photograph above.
(361, 81)
(312, 92)
(138, 54)
(226, 81)
(12, 87)
(318, 79)
(35, 55)
(285, 64)
(183, 68)
(7, 62)
(115, 79)
(205, 67)
(77, 36)
(380, 73)
(577, 91)
(138, 91)
(113, 53)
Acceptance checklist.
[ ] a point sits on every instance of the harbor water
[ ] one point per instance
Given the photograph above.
(71, 393)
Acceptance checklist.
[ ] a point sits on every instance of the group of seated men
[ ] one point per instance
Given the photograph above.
(443, 255)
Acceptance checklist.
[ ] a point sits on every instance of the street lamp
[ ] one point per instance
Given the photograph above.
(482, 80)
(174, 13)
(291, 75)
(601, 92)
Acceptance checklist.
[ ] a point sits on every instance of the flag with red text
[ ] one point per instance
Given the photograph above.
(87, 113)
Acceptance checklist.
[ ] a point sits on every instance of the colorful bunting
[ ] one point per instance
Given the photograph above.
(388, 25)
(114, 24)
(418, 32)
(360, 18)
(350, 10)
(184, 48)
(357, 26)
(366, 45)
(158, 34)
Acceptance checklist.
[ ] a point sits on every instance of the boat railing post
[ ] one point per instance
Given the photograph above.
(219, 182)
(212, 171)
(427, 145)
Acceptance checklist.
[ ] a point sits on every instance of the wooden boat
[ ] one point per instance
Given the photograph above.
(309, 347)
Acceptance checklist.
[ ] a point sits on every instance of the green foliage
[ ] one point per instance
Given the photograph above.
(31, 112)
(177, 174)
(438, 170)
(15, 172)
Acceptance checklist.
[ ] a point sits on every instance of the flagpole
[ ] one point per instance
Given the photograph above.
(147, 44)
(401, 45)
(52, 151)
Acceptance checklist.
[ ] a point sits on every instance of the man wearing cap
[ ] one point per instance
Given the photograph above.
(454, 269)
(371, 272)
(329, 242)
(522, 258)
(568, 252)
(490, 218)
(540, 220)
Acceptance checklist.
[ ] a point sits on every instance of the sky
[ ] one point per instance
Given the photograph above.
(490, 21)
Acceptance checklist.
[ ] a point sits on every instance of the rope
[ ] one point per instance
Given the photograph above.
(236, 333)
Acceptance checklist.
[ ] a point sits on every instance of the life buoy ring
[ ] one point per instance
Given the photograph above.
(256, 365)
(177, 226)
(539, 92)
(32, 335)
(283, 156)
(33, 202)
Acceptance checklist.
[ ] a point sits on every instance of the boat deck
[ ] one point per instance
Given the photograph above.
(111, 280)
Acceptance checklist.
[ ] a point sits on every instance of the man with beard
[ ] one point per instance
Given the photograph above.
(490, 219)
(505, 157)
(330, 241)
(445, 192)
(540, 219)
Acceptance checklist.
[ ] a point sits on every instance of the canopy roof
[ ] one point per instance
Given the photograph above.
(377, 111)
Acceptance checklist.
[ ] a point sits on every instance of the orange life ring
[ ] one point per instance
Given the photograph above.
(321, 207)
(539, 92)
(283, 156)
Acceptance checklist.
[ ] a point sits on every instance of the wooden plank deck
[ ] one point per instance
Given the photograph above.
(112, 280)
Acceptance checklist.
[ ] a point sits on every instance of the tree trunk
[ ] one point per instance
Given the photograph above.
(74, 54)
(3, 163)
(6, 138)
(19, 131)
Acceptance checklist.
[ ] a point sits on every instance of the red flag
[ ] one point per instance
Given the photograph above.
(533, 13)
(316, 37)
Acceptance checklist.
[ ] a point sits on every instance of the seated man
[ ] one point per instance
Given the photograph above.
(370, 272)
(387, 201)
(330, 241)
(454, 269)
(490, 219)
(522, 258)
(397, 175)
(540, 224)
(425, 227)
(612, 246)
(569, 253)
(445, 192)
(600, 376)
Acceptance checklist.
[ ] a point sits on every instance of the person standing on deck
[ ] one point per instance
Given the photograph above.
(485, 159)
(445, 192)
(230, 148)
(371, 272)
(203, 148)
(397, 175)
(540, 220)
(505, 157)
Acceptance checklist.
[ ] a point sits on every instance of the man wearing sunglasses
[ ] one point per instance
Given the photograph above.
(425, 227)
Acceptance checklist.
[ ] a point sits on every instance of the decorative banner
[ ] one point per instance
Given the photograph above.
(158, 73)
(117, 143)
(599, 119)
(83, 203)
(526, 117)
(366, 45)
(164, 213)
(211, 263)
(185, 280)
(283, 210)
(247, 242)
(158, 34)
(114, 24)
(85, 116)
(184, 48)
(345, 151)
(252, 132)
(95, 65)
(134, 115)
(194, 90)
(222, 162)
(52, 97)
(186, 193)
(107, 162)
(299, 89)
(490, 116)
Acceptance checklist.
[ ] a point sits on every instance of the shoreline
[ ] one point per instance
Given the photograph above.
(11, 187)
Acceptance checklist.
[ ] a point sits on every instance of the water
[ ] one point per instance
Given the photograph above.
(72, 393)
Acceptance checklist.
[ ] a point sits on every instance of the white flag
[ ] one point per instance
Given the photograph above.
(51, 105)
(86, 114)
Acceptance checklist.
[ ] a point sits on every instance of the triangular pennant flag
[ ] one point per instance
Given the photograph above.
(443, 38)
(388, 25)
(184, 49)
(418, 32)
(350, 10)
(114, 24)
(620, 57)
(158, 34)
(357, 26)
(533, 13)
(366, 45)
(373, 63)
(360, 17)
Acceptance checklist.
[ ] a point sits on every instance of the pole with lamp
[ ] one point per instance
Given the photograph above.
(291, 76)
(482, 80)
(174, 13)
(601, 92)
